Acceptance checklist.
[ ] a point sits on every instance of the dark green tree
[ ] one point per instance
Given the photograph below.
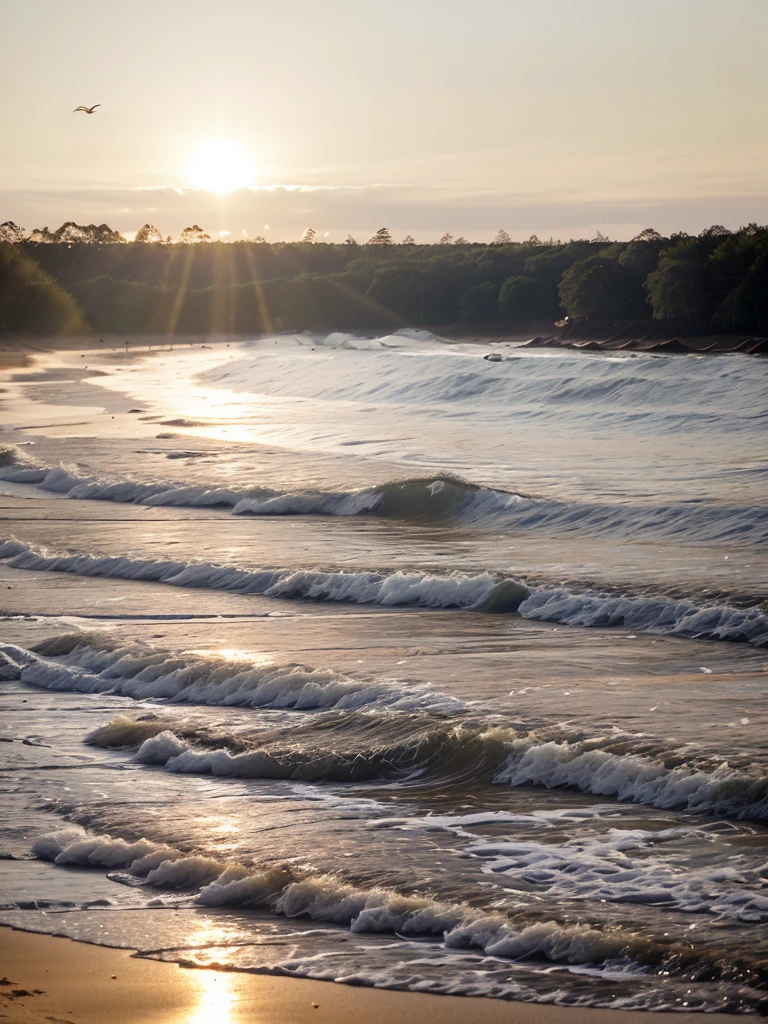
(382, 237)
(592, 287)
(30, 301)
(677, 288)
(518, 299)
(480, 302)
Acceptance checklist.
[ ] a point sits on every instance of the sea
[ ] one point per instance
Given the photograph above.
(374, 660)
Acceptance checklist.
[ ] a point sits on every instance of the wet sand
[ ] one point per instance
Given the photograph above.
(65, 982)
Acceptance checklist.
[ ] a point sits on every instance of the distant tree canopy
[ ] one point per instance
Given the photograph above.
(149, 233)
(194, 234)
(10, 232)
(78, 234)
(30, 301)
(714, 282)
(382, 237)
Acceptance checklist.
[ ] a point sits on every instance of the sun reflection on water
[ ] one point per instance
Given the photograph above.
(255, 658)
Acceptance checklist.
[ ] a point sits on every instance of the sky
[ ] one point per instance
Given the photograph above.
(553, 117)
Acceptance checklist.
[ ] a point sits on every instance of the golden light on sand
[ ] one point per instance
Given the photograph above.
(216, 999)
(221, 165)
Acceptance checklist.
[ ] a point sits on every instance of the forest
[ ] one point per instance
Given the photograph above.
(88, 278)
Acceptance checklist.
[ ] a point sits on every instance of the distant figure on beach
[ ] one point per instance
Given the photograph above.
(86, 110)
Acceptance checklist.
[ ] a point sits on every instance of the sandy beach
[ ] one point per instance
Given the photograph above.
(57, 980)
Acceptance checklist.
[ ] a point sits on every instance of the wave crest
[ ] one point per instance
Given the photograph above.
(485, 592)
(439, 498)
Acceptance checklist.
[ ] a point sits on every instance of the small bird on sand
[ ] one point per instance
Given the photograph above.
(86, 110)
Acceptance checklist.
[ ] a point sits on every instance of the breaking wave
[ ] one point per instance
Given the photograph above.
(296, 892)
(73, 663)
(486, 592)
(440, 498)
(415, 732)
(456, 752)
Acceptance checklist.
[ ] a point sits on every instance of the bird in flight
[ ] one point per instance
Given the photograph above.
(86, 110)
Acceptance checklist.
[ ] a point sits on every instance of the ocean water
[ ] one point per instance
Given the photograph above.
(371, 660)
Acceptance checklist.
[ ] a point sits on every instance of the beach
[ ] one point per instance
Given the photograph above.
(87, 983)
(368, 661)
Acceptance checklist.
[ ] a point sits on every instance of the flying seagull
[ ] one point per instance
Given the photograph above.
(86, 110)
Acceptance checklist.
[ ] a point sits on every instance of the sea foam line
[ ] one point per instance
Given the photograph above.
(440, 498)
(520, 760)
(484, 592)
(70, 663)
(73, 664)
(291, 891)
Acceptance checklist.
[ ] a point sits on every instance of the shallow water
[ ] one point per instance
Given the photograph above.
(372, 660)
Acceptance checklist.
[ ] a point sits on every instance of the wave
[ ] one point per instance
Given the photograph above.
(470, 752)
(486, 592)
(442, 498)
(634, 778)
(416, 731)
(83, 664)
(658, 615)
(599, 868)
(498, 754)
(296, 892)
(478, 946)
(435, 374)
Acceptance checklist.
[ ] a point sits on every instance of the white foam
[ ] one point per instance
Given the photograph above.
(160, 749)
(184, 872)
(599, 868)
(104, 852)
(145, 673)
(237, 886)
(634, 778)
(699, 522)
(658, 615)
(297, 893)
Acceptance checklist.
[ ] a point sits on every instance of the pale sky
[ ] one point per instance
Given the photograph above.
(558, 117)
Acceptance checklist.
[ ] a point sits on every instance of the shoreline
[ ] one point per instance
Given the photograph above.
(608, 338)
(47, 978)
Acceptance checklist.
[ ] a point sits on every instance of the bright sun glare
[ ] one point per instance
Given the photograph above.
(221, 166)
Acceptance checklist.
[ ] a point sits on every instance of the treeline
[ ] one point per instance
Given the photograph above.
(715, 282)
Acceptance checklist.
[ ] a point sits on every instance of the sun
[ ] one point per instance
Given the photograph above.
(221, 166)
